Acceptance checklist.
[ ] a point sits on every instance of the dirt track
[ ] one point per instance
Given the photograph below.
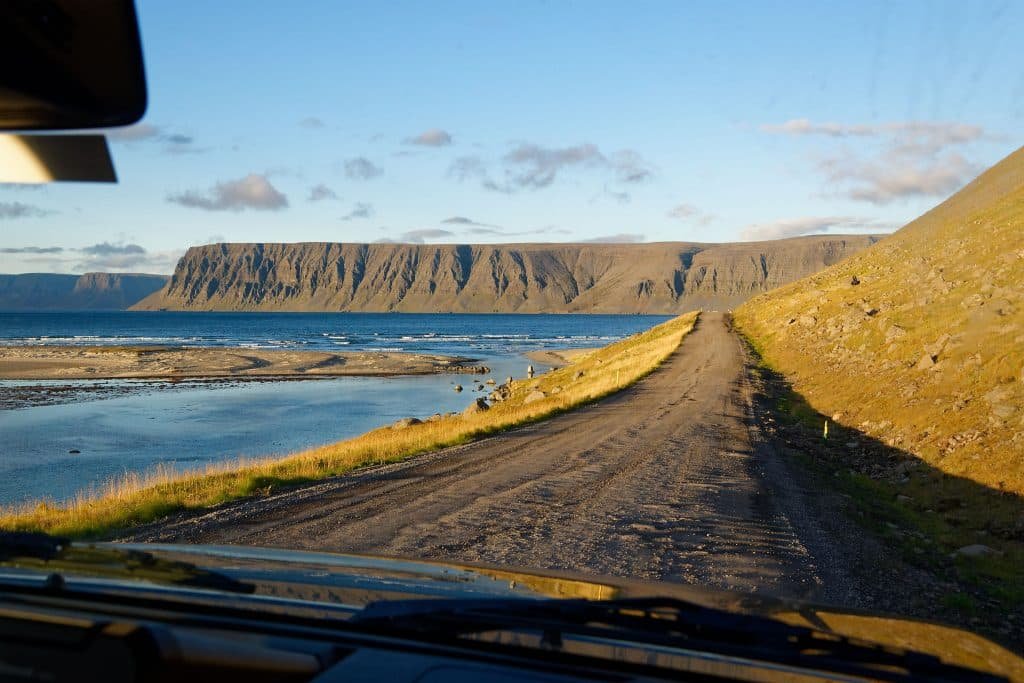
(666, 480)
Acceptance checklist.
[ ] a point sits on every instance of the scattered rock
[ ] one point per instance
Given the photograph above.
(853, 444)
(556, 390)
(975, 550)
(578, 375)
(936, 347)
(434, 418)
(490, 380)
(926, 362)
(74, 451)
(480, 405)
(406, 422)
(807, 320)
(457, 387)
(854, 281)
(534, 396)
(903, 499)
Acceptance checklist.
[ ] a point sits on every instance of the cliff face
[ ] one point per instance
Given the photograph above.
(92, 291)
(666, 277)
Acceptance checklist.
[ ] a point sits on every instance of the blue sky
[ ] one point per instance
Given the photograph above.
(534, 122)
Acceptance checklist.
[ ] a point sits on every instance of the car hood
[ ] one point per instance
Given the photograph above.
(350, 582)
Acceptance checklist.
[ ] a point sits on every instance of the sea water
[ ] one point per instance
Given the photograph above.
(189, 424)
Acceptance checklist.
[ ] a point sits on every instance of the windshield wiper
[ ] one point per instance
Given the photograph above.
(57, 556)
(664, 622)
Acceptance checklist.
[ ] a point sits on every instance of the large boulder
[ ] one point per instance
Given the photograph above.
(478, 406)
(534, 396)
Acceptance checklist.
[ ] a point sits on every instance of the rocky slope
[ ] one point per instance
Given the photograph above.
(91, 291)
(918, 341)
(669, 277)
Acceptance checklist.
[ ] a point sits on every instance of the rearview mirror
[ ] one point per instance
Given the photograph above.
(70, 64)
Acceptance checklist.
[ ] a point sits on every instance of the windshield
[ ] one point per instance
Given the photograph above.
(713, 294)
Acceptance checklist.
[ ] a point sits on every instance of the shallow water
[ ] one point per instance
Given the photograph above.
(136, 426)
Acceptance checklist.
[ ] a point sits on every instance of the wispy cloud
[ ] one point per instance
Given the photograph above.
(433, 137)
(321, 192)
(528, 166)
(905, 158)
(361, 168)
(108, 249)
(467, 168)
(253, 191)
(134, 133)
(898, 174)
(534, 166)
(467, 222)
(359, 210)
(31, 250)
(311, 122)
(810, 225)
(618, 238)
(688, 213)
(420, 236)
(174, 142)
(12, 210)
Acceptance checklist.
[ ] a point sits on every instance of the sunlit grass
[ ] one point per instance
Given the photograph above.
(137, 499)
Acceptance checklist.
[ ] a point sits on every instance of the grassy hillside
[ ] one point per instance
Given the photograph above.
(136, 500)
(918, 341)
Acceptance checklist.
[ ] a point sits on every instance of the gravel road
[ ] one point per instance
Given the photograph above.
(668, 480)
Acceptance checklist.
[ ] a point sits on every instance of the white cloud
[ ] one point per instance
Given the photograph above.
(321, 192)
(253, 191)
(809, 225)
(12, 210)
(422, 235)
(898, 175)
(359, 210)
(361, 168)
(618, 238)
(688, 213)
(905, 158)
(434, 137)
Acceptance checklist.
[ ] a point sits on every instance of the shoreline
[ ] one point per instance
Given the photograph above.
(46, 362)
(559, 358)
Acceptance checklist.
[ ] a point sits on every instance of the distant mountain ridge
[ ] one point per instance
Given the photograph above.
(667, 277)
(91, 291)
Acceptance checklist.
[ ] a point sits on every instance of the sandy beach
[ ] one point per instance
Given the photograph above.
(557, 358)
(175, 363)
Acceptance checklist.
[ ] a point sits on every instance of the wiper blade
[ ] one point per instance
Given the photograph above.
(663, 622)
(57, 555)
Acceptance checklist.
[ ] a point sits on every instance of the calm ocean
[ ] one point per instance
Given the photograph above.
(136, 426)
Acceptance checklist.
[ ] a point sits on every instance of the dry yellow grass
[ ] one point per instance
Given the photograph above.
(918, 341)
(135, 500)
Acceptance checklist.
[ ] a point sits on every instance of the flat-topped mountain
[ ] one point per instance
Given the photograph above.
(919, 340)
(667, 277)
(91, 291)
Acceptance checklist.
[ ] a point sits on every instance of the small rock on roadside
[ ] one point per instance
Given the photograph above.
(406, 422)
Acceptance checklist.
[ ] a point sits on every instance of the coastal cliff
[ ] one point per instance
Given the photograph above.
(91, 291)
(667, 277)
